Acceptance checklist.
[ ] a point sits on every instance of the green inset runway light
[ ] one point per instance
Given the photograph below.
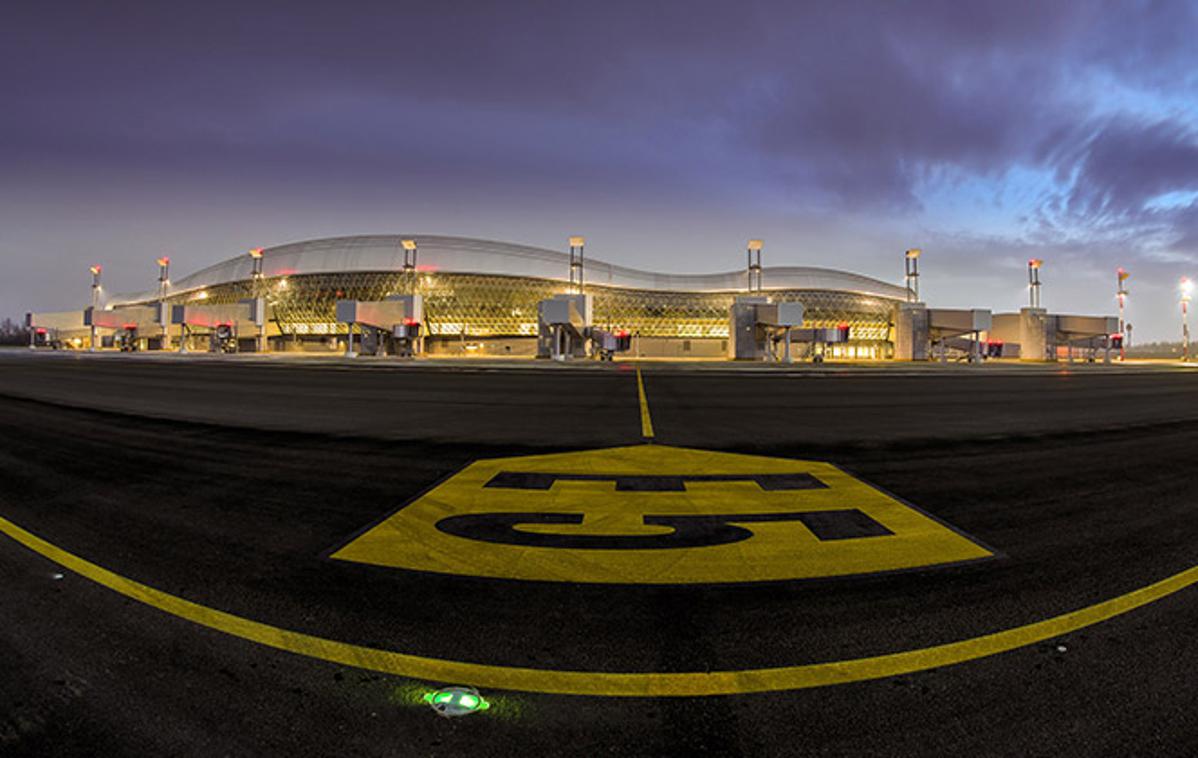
(456, 701)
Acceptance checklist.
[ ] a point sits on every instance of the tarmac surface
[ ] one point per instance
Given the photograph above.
(232, 483)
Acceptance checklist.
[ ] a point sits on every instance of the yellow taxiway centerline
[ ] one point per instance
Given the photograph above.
(607, 684)
(646, 420)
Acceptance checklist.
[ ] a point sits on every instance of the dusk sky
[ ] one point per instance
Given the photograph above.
(667, 133)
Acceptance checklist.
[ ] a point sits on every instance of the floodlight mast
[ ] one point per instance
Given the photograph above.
(1121, 296)
(164, 283)
(96, 270)
(1186, 288)
(577, 266)
(756, 282)
(256, 255)
(912, 263)
(409, 263)
(1033, 281)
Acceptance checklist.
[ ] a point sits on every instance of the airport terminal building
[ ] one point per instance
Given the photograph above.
(477, 297)
(481, 296)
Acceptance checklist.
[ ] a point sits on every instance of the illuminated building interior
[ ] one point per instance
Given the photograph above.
(480, 291)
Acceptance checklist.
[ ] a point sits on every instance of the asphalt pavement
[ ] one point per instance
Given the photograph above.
(230, 484)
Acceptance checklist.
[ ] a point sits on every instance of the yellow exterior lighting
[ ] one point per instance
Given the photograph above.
(577, 241)
(756, 244)
(408, 244)
(914, 252)
(256, 252)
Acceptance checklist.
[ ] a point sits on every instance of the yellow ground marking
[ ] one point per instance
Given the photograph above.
(646, 420)
(417, 536)
(606, 684)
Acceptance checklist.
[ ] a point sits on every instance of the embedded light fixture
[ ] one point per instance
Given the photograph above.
(456, 701)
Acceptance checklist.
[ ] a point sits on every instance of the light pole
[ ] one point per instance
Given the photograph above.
(755, 278)
(1121, 295)
(1187, 288)
(164, 282)
(913, 275)
(409, 264)
(1033, 281)
(256, 257)
(259, 299)
(96, 271)
(576, 263)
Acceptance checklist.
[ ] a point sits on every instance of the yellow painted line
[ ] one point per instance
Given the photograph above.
(604, 683)
(646, 421)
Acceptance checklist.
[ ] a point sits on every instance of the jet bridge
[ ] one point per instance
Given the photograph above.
(225, 326)
(958, 330)
(817, 339)
(1087, 333)
(130, 326)
(564, 326)
(759, 329)
(56, 329)
(1034, 334)
(389, 327)
(922, 332)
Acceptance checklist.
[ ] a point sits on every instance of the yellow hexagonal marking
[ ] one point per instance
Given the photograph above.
(651, 514)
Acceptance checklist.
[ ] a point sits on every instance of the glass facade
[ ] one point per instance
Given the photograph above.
(478, 305)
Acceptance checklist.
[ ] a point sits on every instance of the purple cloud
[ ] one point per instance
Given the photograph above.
(846, 122)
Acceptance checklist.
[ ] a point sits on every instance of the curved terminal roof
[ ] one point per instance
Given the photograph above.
(475, 256)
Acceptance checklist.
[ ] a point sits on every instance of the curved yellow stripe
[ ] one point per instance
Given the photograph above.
(604, 683)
